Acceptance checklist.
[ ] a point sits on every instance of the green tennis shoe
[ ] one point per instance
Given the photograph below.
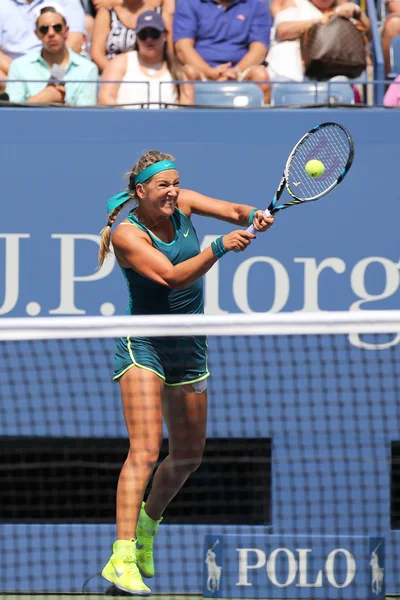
(122, 569)
(146, 531)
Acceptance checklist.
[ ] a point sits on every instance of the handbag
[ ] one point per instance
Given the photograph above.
(334, 46)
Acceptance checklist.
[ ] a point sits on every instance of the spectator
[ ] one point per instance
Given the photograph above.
(150, 63)
(223, 40)
(92, 6)
(392, 96)
(391, 28)
(114, 29)
(17, 27)
(55, 64)
(284, 57)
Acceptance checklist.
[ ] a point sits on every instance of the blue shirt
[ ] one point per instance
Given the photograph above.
(33, 66)
(17, 24)
(222, 35)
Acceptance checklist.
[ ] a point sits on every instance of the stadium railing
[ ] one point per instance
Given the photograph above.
(323, 95)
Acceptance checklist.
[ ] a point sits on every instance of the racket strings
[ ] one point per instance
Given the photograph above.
(331, 146)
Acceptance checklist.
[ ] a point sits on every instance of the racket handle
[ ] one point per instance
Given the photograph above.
(251, 229)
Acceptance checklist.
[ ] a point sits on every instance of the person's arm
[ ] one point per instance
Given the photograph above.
(293, 30)
(255, 56)
(185, 33)
(74, 41)
(101, 32)
(186, 90)
(191, 202)
(114, 71)
(187, 54)
(186, 94)
(258, 38)
(167, 13)
(17, 90)
(106, 3)
(349, 10)
(75, 17)
(133, 248)
(51, 93)
(393, 6)
(5, 62)
(87, 92)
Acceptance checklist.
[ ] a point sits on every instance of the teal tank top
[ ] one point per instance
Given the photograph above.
(146, 297)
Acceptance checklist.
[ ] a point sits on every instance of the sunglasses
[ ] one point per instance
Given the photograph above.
(152, 33)
(44, 29)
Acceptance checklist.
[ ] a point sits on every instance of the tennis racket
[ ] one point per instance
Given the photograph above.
(329, 143)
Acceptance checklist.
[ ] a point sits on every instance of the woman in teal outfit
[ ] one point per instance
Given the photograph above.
(159, 254)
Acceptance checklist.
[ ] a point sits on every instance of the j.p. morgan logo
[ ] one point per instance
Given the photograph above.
(284, 567)
(68, 281)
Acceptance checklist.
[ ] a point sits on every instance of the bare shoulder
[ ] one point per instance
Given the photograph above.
(117, 65)
(120, 59)
(103, 16)
(127, 234)
(185, 201)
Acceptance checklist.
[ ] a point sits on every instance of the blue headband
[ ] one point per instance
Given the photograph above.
(122, 197)
(162, 165)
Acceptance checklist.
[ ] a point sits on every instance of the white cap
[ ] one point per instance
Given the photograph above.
(57, 7)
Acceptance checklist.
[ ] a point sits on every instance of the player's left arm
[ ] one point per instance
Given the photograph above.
(191, 202)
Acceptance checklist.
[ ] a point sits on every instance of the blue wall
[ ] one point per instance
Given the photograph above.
(60, 166)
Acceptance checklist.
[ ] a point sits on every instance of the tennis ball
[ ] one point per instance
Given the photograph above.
(315, 168)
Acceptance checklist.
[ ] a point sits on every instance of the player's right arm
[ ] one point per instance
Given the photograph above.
(134, 250)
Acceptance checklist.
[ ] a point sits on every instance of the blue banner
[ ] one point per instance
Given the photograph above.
(340, 253)
(278, 566)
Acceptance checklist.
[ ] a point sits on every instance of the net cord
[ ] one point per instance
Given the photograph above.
(234, 324)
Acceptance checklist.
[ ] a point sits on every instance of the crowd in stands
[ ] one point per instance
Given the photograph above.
(84, 52)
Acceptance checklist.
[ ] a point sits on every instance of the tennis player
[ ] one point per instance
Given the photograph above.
(159, 254)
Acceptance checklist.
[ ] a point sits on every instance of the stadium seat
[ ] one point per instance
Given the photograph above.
(212, 93)
(311, 92)
(394, 57)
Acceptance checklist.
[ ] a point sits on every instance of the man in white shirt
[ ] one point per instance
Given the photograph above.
(17, 28)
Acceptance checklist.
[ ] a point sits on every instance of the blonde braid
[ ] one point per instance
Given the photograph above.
(105, 234)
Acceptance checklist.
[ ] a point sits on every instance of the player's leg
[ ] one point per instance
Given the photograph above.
(141, 398)
(185, 414)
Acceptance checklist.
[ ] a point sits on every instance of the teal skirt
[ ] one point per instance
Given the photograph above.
(177, 360)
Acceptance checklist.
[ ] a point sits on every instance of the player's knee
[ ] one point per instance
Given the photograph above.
(145, 458)
(188, 462)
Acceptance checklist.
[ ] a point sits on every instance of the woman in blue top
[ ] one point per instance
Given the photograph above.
(159, 254)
